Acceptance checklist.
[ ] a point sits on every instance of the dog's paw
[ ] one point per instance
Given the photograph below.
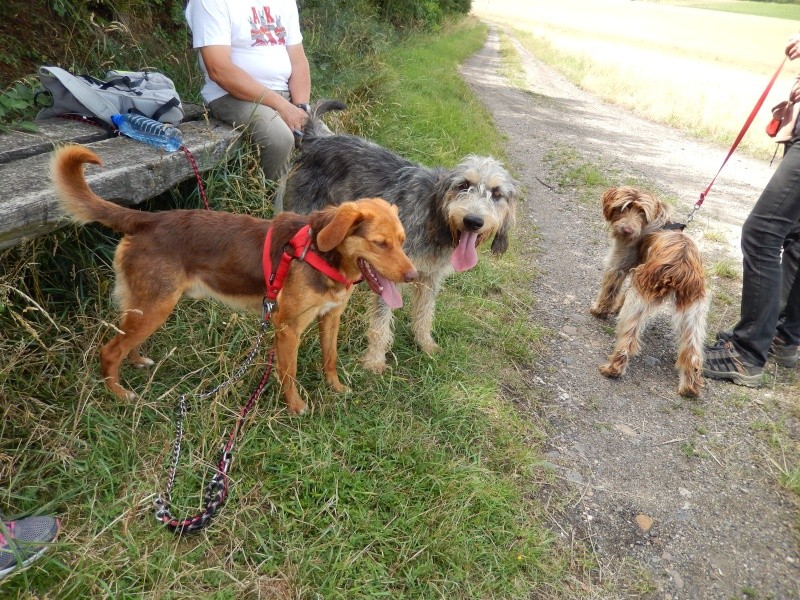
(143, 362)
(375, 365)
(610, 370)
(599, 312)
(429, 346)
(339, 387)
(689, 389)
(121, 393)
(298, 408)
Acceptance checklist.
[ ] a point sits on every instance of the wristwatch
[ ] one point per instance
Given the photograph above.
(304, 106)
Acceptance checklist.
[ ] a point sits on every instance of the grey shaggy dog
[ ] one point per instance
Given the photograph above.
(447, 213)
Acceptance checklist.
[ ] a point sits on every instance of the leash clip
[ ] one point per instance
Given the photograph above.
(690, 218)
(267, 308)
(161, 508)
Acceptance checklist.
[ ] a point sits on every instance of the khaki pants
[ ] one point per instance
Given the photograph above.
(274, 138)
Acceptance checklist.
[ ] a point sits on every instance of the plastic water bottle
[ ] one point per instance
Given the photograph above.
(149, 131)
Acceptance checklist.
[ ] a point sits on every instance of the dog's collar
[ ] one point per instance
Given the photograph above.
(674, 226)
(301, 249)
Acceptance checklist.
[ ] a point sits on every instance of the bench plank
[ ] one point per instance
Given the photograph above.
(132, 172)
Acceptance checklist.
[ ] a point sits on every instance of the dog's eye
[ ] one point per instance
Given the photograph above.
(380, 244)
(497, 194)
(464, 186)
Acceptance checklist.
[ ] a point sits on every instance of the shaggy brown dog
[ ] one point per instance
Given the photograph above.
(198, 253)
(665, 266)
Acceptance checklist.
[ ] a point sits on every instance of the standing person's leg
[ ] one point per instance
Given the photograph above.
(273, 137)
(741, 356)
(785, 345)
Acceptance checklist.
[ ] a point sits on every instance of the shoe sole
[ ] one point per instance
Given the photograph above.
(751, 381)
(24, 564)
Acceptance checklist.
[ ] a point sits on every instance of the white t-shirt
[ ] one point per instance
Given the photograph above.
(258, 34)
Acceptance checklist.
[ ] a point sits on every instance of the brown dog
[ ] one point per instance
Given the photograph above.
(198, 253)
(665, 266)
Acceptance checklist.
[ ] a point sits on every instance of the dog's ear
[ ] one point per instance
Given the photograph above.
(333, 233)
(500, 241)
(610, 201)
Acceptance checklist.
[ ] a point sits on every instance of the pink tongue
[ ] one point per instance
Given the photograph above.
(466, 255)
(390, 294)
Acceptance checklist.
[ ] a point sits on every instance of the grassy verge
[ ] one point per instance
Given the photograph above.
(415, 485)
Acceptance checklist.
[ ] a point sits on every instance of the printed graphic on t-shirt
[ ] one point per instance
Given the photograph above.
(266, 30)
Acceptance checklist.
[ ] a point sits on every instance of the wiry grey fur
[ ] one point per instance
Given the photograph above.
(435, 205)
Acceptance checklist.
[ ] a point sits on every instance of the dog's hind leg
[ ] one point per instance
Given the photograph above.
(424, 305)
(379, 337)
(633, 317)
(137, 325)
(690, 330)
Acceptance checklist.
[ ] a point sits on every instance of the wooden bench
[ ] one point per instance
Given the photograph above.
(132, 172)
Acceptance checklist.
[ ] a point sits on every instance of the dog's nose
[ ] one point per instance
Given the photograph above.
(473, 222)
(626, 229)
(411, 275)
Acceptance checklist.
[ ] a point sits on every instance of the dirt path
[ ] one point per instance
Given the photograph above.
(698, 475)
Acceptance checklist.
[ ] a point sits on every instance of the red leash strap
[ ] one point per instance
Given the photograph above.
(199, 179)
(739, 137)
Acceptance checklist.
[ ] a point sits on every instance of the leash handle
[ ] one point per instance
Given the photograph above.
(217, 488)
(739, 137)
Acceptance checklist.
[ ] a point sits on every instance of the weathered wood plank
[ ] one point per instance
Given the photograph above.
(132, 172)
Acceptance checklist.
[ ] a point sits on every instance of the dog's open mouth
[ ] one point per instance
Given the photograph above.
(465, 256)
(380, 285)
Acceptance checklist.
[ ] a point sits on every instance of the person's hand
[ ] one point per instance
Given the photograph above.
(294, 116)
(793, 47)
(794, 95)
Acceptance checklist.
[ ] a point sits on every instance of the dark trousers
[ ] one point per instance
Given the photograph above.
(771, 249)
(789, 318)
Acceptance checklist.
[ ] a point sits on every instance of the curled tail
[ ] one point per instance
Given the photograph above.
(79, 201)
(315, 126)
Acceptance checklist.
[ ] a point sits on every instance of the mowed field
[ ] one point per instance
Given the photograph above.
(696, 69)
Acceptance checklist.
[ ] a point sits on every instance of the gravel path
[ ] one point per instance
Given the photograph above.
(684, 493)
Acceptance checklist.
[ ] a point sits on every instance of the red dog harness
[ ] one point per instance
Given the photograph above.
(301, 249)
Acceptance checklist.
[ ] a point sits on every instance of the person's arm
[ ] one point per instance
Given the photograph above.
(793, 51)
(300, 80)
(240, 84)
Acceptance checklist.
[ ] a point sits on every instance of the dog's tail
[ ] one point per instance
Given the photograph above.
(79, 201)
(315, 127)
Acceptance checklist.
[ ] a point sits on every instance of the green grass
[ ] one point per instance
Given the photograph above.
(415, 485)
(775, 10)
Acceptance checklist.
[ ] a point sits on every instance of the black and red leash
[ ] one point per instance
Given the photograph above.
(300, 247)
(738, 139)
(216, 490)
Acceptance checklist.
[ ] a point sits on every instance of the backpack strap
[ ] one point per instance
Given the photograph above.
(168, 105)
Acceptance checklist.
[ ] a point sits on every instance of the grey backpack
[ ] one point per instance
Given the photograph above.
(147, 93)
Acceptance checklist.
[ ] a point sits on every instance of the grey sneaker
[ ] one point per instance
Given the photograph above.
(784, 354)
(723, 361)
(25, 540)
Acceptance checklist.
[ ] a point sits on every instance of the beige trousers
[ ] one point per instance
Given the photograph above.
(274, 139)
